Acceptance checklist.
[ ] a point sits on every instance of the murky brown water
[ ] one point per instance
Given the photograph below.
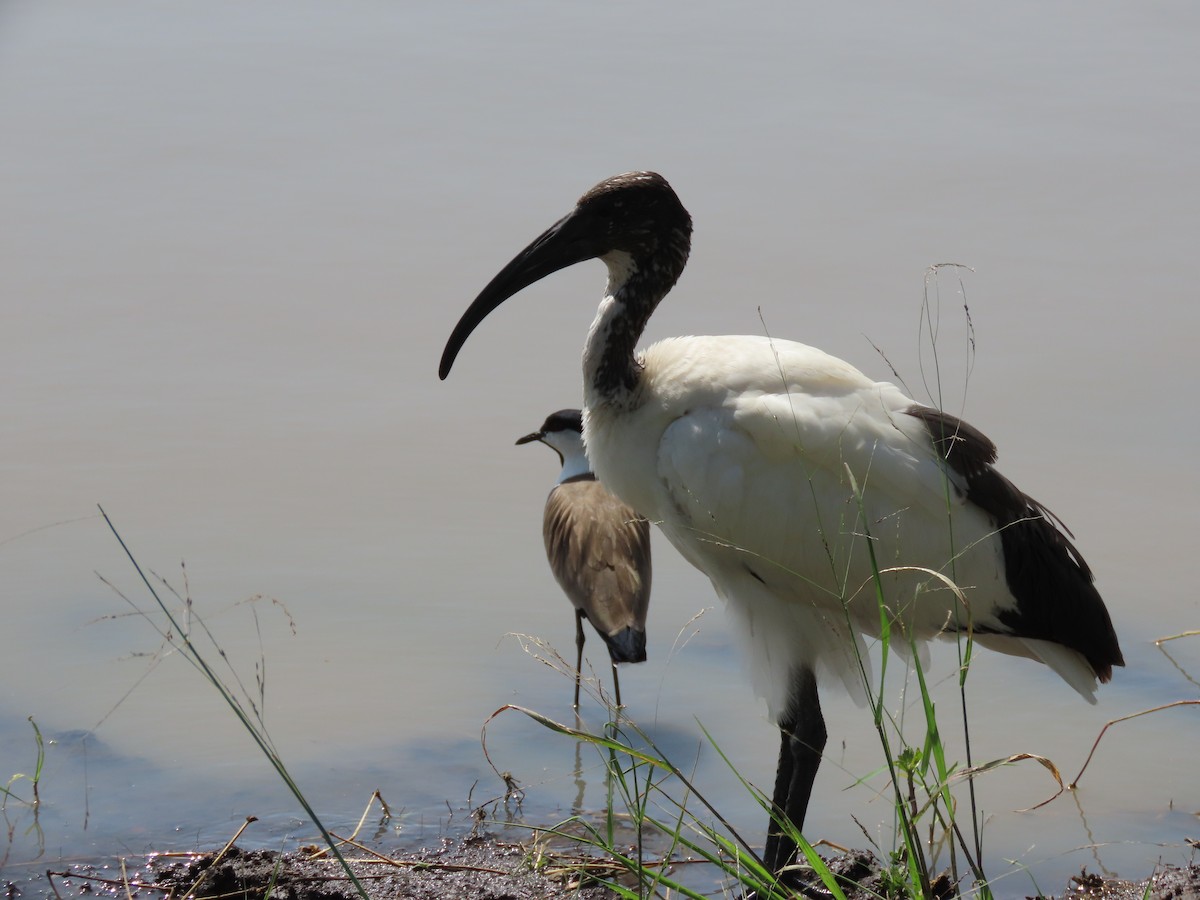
(235, 237)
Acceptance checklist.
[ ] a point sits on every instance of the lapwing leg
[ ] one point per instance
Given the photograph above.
(579, 617)
(802, 738)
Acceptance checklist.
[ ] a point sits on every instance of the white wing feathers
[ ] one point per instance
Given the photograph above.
(804, 465)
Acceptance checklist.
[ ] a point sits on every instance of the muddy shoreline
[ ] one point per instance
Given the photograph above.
(478, 866)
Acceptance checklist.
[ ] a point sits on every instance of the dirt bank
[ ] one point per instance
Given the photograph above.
(479, 868)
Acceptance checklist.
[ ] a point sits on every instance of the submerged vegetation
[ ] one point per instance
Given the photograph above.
(33, 777)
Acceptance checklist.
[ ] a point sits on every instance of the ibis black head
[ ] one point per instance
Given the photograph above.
(563, 420)
(636, 214)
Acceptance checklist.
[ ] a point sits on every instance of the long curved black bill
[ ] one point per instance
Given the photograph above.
(563, 244)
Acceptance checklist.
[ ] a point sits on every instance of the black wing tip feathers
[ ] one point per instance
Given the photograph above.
(1053, 585)
(627, 645)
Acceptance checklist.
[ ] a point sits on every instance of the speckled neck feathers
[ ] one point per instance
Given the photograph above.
(650, 234)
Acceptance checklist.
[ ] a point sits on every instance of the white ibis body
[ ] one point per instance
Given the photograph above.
(805, 491)
(598, 548)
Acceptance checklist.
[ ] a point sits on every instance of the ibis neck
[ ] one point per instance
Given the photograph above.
(611, 370)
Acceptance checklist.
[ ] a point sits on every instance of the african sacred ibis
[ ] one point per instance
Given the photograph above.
(789, 478)
(598, 548)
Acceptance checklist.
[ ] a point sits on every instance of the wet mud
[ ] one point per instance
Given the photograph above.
(479, 868)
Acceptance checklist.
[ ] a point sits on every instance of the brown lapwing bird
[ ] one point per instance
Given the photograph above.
(599, 549)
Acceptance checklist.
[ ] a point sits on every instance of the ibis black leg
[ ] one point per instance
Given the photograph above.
(802, 739)
(579, 617)
(616, 684)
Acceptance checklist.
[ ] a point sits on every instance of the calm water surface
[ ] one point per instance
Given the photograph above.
(236, 236)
